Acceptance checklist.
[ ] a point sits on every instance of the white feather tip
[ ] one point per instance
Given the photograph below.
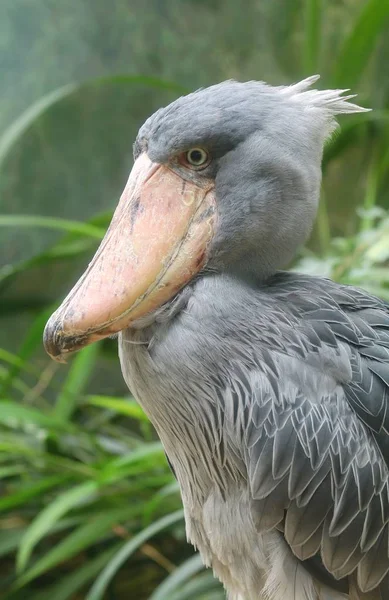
(328, 100)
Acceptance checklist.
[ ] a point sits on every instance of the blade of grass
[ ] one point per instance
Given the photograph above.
(99, 587)
(360, 43)
(85, 536)
(71, 245)
(170, 489)
(11, 470)
(312, 39)
(52, 223)
(11, 411)
(11, 538)
(179, 576)
(68, 585)
(49, 516)
(32, 490)
(129, 407)
(14, 132)
(32, 340)
(370, 199)
(22, 123)
(59, 251)
(15, 360)
(323, 225)
(351, 133)
(78, 377)
(17, 383)
(200, 588)
(137, 461)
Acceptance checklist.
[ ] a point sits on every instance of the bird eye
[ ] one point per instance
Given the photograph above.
(197, 158)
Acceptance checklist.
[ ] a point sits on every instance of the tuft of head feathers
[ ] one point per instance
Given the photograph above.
(328, 103)
(331, 100)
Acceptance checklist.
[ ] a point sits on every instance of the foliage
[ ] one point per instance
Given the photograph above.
(88, 506)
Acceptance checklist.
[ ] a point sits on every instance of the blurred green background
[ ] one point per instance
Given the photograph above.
(88, 506)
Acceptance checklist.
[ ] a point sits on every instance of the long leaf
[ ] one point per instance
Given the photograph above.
(22, 123)
(28, 346)
(78, 377)
(312, 40)
(202, 587)
(133, 462)
(52, 223)
(28, 492)
(129, 407)
(99, 587)
(11, 411)
(15, 360)
(10, 539)
(179, 576)
(172, 488)
(83, 537)
(351, 133)
(360, 43)
(14, 132)
(51, 515)
(68, 585)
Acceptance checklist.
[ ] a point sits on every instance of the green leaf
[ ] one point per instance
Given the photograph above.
(68, 585)
(99, 587)
(129, 408)
(11, 470)
(78, 377)
(51, 515)
(71, 245)
(134, 462)
(32, 340)
(312, 38)
(22, 123)
(350, 133)
(52, 223)
(32, 490)
(11, 538)
(36, 110)
(170, 489)
(202, 587)
(15, 360)
(11, 411)
(88, 534)
(179, 576)
(360, 43)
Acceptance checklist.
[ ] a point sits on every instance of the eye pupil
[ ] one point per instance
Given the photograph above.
(197, 157)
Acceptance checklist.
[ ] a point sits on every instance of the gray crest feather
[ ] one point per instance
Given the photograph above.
(329, 100)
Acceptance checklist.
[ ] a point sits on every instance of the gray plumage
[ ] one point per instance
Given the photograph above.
(269, 390)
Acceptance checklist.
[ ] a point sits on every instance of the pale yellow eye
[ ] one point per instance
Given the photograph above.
(197, 157)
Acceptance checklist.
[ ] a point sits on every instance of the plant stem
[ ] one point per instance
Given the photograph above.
(312, 40)
(323, 226)
(370, 199)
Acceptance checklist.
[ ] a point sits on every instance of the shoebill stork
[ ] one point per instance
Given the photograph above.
(269, 389)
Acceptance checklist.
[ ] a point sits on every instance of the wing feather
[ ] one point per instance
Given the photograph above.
(318, 458)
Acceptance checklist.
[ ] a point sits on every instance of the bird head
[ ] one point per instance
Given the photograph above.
(225, 179)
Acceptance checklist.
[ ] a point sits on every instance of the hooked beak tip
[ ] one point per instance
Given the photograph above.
(53, 342)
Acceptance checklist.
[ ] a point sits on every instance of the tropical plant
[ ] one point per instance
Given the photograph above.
(88, 507)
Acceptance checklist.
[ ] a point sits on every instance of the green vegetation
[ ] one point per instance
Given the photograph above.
(88, 506)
